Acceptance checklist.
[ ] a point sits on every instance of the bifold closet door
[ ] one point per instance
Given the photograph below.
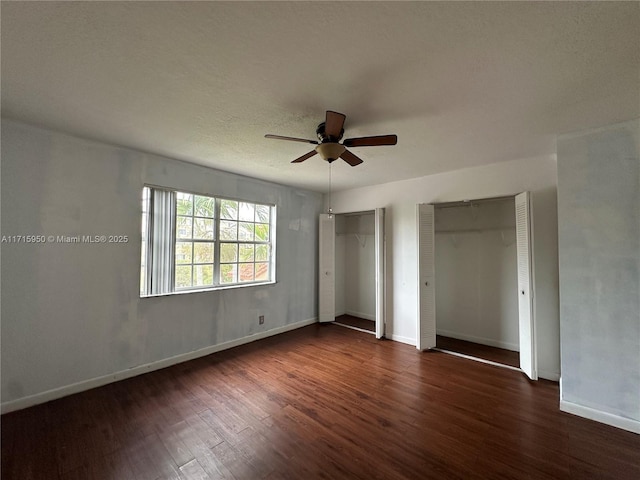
(426, 334)
(525, 286)
(326, 268)
(379, 240)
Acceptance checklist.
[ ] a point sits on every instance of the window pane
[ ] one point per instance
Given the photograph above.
(262, 271)
(228, 252)
(262, 213)
(228, 230)
(262, 253)
(204, 206)
(183, 227)
(246, 252)
(246, 272)
(247, 212)
(229, 209)
(202, 252)
(203, 228)
(183, 252)
(245, 231)
(184, 203)
(183, 276)
(229, 273)
(202, 275)
(262, 232)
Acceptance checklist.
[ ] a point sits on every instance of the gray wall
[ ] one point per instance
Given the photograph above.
(72, 312)
(599, 264)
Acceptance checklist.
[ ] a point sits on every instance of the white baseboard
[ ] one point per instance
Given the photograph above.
(398, 338)
(84, 385)
(599, 416)
(366, 316)
(483, 341)
(553, 376)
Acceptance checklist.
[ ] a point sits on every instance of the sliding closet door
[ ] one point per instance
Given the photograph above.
(326, 268)
(379, 247)
(426, 334)
(525, 286)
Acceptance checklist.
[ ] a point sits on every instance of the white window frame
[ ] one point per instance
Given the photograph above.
(158, 254)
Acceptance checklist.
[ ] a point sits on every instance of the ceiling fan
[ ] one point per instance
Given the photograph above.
(329, 135)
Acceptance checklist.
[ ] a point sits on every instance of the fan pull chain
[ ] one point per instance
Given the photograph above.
(330, 210)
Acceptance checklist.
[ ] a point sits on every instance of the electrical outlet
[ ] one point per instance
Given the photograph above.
(261, 319)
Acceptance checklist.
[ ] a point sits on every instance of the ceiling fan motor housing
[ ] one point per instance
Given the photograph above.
(323, 137)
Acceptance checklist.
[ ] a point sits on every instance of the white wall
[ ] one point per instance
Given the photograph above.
(476, 271)
(537, 175)
(340, 266)
(599, 240)
(71, 313)
(355, 265)
(360, 266)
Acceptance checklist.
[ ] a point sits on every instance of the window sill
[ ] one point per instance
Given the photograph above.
(210, 289)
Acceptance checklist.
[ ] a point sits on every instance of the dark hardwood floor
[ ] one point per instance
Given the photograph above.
(350, 320)
(485, 352)
(319, 402)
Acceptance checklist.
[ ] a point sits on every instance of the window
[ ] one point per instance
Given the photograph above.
(194, 250)
(196, 242)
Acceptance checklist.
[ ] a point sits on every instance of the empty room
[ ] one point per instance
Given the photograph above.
(339, 240)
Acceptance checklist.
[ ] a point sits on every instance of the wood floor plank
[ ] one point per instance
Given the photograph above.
(351, 321)
(485, 352)
(318, 402)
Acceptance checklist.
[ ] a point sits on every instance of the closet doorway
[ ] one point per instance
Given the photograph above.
(351, 283)
(475, 288)
(355, 271)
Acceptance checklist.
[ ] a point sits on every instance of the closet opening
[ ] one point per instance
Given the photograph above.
(475, 280)
(355, 271)
(351, 282)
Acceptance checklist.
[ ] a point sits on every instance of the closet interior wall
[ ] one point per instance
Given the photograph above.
(476, 272)
(355, 265)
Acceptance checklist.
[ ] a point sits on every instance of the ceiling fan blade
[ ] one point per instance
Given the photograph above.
(291, 139)
(350, 158)
(371, 141)
(304, 157)
(333, 124)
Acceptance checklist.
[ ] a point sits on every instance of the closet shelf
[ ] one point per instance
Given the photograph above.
(355, 234)
(478, 230)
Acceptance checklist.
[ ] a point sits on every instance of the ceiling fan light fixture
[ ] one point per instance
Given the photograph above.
(328, 144)
(330, 151)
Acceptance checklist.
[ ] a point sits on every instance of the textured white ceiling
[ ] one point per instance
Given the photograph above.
(461, 84)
